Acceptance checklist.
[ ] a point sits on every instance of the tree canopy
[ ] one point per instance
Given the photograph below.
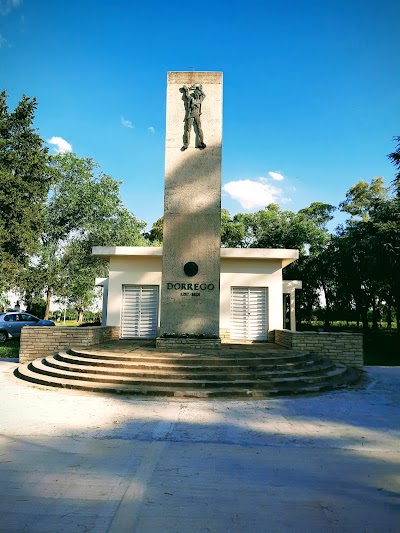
(25, 178)
(348, 273)
(83, 209)
(395, 159)
(361, 198)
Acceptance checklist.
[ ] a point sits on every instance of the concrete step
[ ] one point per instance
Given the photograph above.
(186, 358)
(182, 363)
(235, 371)
(230, 372)
(235, 392)
(193, 381)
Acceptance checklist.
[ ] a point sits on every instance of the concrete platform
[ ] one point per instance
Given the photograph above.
(139, 368)
(75, 461)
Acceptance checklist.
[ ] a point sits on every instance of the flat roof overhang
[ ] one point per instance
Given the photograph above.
(285, 255)
(109, 251)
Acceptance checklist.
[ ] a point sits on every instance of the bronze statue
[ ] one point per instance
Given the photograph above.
(193, 103)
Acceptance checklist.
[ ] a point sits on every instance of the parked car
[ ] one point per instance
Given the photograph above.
(12, 323)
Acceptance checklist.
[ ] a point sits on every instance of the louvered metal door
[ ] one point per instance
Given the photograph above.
(249, 313)
(139, 311)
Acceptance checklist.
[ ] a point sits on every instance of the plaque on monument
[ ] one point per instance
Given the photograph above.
(190, 268)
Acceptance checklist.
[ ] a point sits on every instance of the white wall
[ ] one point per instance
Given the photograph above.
(252, 273)
(139, 270)
(129, 271)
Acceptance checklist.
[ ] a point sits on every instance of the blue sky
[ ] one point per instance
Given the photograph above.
(311, 89)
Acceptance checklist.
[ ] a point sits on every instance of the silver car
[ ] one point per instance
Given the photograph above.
(12, 323)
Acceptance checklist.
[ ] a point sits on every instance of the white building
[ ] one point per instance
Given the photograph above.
(252, 292)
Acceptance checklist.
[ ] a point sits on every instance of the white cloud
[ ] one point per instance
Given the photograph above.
(276, 176)
(284, 200)
(151, 129)
(3, 42)
(8, 5)
(61, 145)
(127, 123)
(251, 194)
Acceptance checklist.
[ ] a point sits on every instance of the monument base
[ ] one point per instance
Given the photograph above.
(180, 343)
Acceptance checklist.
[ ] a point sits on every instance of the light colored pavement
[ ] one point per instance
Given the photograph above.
(76, 462)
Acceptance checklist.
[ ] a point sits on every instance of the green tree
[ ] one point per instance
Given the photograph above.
(79, 268)
(77, 277)
(356, 263)
(361, 197)
(275, 228)
(387, 224)
(83, 209)
(384, 228)
(395, 159)
(305, 230)
(236, 231)
(362, 246)
(155, 235)
(314, 266)
(319, 214)
(25, 178)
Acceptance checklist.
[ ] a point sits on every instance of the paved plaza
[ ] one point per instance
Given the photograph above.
(77, 462)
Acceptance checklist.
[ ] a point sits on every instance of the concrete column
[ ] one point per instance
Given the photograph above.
(103, 282)
(293, 309)
(192, 208)
(289, 287)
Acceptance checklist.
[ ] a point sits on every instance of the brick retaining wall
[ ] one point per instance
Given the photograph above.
(47, 340)
(344, 348)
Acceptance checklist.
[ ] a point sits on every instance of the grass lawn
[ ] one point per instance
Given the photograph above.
(9, 349)
(67, 323)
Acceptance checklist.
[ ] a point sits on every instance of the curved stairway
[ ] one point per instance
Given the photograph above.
(235, 371)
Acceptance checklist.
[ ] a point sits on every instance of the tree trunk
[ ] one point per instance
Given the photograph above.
(389, 317)
(398, 317)
(80, 315)
(389, 311)
(374, 315)
(327, 313)
(364, 319)
(48, 299)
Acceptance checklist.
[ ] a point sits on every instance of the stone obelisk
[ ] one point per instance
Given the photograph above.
(192, 205)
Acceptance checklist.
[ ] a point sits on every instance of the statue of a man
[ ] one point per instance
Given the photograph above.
(192, 117)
